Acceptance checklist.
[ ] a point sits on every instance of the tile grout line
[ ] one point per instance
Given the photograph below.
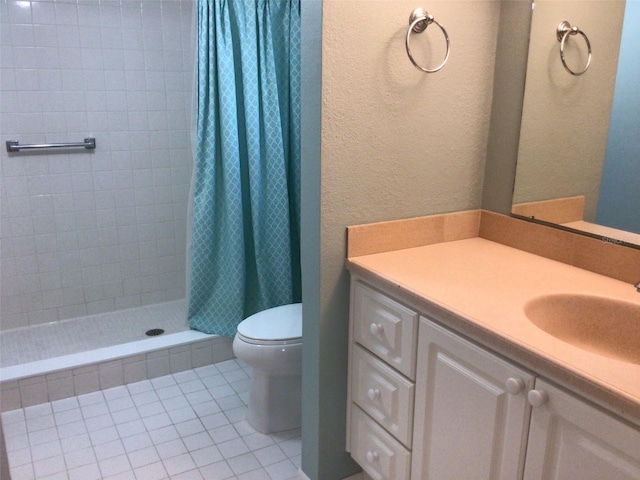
(193, 424)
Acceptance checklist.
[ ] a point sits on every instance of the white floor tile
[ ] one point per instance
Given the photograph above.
(21, 457)
(86, 472)
(75, 443)
(46, 450)
(190, 427)
(65, 404)
(151, 409)
(144, 456)
(175, 403)
(179, 464)
(79, 458)
(157, 421)
(114, 465)
(100, 437)
(170, 427)
(233, 448)
(68, 416)
(282, 470)
(153, 471)
(109, 450)
(72, 429)
(219, 470)
(99, 422)
(190, 475)
(206, 456)
(243, 463)
(269, 455)
(197, 441)
(131, 428)
(223, 434)
(183, 414)
(49, 466)
(171, 449)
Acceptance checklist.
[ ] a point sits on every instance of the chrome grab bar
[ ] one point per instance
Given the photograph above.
(14, 146)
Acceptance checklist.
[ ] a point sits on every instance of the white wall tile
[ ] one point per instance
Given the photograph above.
(111, 374)
(158, 364)
(60, 386)
(86, 381)
(10, 397)
(90, 68)
(34, 394)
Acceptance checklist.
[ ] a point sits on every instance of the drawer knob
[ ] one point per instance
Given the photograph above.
(514, 385)
(537, 398)
(376, 329)
(373, 394)
(372, 457)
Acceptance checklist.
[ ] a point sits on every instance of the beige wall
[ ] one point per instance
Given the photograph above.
(395, 143)
(565, 118)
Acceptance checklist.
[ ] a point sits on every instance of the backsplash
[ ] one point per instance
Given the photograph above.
(605, 258)
(90, 232)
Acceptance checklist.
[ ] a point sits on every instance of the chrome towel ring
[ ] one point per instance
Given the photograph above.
(419, 20)
(562, 33)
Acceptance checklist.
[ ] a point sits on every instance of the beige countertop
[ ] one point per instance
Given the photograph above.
(480, 288)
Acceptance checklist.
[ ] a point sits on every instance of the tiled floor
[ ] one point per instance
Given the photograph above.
(89, 333)
(189, 425)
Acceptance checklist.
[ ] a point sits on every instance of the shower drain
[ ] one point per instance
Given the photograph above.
(154, 332)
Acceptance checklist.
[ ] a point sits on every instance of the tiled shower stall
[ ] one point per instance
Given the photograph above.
(88, 232)
(98, 235)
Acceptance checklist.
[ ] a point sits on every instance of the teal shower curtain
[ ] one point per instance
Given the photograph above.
(245, 238)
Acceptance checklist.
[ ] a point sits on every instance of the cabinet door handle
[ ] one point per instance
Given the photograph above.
(376, 329)
(373, 394)
(372, 457)
(537, 398)
(514, 385)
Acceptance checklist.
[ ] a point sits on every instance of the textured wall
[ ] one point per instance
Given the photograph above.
(395, 143)
(81, 232)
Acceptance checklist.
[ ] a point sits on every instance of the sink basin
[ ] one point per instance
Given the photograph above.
(601, 325)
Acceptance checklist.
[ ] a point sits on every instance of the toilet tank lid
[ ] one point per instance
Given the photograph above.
(278, 323)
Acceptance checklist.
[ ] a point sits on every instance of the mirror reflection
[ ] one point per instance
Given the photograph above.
(579, 152)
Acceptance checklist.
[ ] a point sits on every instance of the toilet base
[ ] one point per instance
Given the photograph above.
(274, 402)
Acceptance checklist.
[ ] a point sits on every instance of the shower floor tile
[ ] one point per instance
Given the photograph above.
(76, 335)
(171, 427)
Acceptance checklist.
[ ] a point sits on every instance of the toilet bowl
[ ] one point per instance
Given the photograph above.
(270, 342)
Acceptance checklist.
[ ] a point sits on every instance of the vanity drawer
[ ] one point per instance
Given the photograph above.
(377, 452)
(386, 328)
(383, 393)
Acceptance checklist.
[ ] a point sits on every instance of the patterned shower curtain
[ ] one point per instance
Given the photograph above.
(245, 239)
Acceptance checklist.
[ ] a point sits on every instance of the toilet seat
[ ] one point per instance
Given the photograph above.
(275, 326)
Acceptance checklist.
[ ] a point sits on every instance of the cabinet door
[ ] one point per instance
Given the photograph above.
(471, 412)
(570, 439)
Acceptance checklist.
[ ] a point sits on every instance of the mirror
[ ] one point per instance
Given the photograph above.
(578, 160)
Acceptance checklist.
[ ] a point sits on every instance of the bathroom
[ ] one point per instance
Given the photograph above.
(394, 143)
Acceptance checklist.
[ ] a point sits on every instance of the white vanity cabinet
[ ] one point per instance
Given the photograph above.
(428, 404)
(569, 438)
(472, 414)
(383, 341)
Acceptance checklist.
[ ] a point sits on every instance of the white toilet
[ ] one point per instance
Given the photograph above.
(270, 342)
